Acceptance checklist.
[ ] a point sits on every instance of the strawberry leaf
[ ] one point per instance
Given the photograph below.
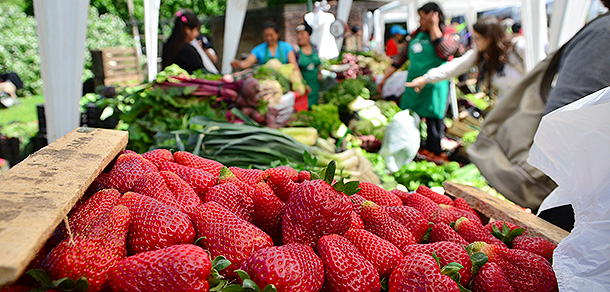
(505, 229)
(478, 259)
(81, 284)
(233, 288)
(270, 288)
(385, 282)
(514, 233)
(452, 270)
(249, 285)
(352, 188)
(495, 231)
(220, 263)
(339, 186)
(41, 277)
(242, 274)
(329, 172)
(428, 232)
(64, 284)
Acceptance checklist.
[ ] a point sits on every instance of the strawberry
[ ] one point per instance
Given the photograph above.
(303, 176)
(524, 270)
(449, 214)
(127, 169)
(223, 233)
(268, 211)
(345, 269)
(283, 186)
(422, 204)
(490, 278)
(249, 176)
(357, 201)
(411, 218)
(499, 225)
(183, 267)
(127, 151)
(472, 231)
(401, 194)
(537, 245)
(192, 160)
(448, 252)
(291, 172)
(420, 272)
(379, 222)
(315, 209)
(233, 198)
(285, 267)
(102, 181)
(434, 196)
(157, 156)
(444, 232)
(16, 288)
(94, 252)
(85, 211)
(378, 195)
(356, 222)
(155, 225)
(199, 180)
(460, 203)
(226, 176)
(168, 188)
(381, 253)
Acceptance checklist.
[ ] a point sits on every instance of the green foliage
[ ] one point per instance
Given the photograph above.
(425, 173)
(322, 117)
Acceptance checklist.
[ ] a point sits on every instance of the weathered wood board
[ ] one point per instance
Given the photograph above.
(37, 194)
(498, 209)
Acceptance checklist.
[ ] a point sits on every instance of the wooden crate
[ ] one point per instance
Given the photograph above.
(116, 67)
(37, 194)
(497, 209)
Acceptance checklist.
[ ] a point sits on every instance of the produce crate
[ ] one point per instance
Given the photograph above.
(38, 193)
(497, 209)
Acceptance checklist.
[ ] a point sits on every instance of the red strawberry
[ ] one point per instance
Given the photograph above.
(472, 231)
(249, 176)
(356, 222)
(192, 160)
(381, 253)
(127, 151)
(449, 214)
(524, 270)
(401, 194)
(199, 180)
(102, 181)
(537, 245)
(444, 232)
(226, 176)
(268, 211)
(448, 252)
(85, 211)
(345, 269)
(283, 186)
(291, 172)
(434, 196)
(422, 204)
(155, 225)
(357, 201)
(157, 156)
(304, 175)
(93, 253)
(498, 223)
(379, 222)
(17, 288)
(233, 198)
(420, 272)
(127, 169)
(411, 218)
(460, 203)
(183, 267)
(490, 278)
(168, 188)
(223, 233)
(315, 209)
(378, 195)
(288, 267)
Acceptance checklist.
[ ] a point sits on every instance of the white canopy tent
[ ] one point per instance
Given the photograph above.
(62, 32)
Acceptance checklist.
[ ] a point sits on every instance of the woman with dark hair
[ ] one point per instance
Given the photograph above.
(177, 49)
(428, 48)
(272, 48)
(499, 59)
(309, 62)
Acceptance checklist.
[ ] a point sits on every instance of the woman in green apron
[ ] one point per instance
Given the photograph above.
(428, 48)
(309, 62)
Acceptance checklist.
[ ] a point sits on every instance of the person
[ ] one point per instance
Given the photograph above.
(428, 48)
(272, 48)
(177, 49)
(499, 59)
(398, 36)
(353, 41)
(309, 62)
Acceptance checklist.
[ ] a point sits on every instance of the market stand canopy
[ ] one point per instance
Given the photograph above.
(62, 33)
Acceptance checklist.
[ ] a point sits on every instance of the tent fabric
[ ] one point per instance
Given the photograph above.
(151, 29)
(62, 30)
(234, 22)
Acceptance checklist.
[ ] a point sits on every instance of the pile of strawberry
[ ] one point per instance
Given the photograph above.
(178, 222)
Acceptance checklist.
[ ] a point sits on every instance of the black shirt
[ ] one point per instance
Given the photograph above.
(189, 59)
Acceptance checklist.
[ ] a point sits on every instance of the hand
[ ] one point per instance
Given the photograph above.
(433, 19)
(417, 83)
(380, 87)
(235, 64)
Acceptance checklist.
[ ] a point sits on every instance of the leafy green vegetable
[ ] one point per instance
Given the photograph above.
(322, 117)
(425, 173)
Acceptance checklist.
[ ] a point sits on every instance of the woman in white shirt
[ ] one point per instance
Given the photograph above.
(499, 60)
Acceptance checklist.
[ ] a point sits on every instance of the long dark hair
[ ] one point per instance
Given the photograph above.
(495, 56)
(432, 6)
(175, 42)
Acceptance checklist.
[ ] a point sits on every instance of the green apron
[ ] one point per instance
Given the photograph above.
(431, 101)
(309, 69)
(278, 52)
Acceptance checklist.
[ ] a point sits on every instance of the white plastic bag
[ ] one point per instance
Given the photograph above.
(394, 85)
(401, 140)
(572, 146)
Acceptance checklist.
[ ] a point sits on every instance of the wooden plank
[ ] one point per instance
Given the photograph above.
(498, 209)
(36, 194)
(118, 51)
